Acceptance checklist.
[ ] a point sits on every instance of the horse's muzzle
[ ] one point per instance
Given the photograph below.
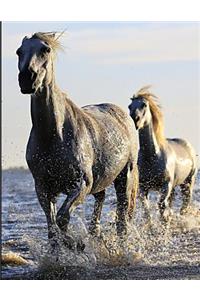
(26, 81)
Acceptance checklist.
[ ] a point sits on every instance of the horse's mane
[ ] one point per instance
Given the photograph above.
(157, 116)
(51, 38)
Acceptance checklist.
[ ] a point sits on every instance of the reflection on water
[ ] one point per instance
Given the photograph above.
(174, 253)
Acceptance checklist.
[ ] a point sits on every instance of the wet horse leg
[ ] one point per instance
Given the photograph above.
(123, 186)
(135, 185)
(48, 205)
(145, 205)
(63, 216)
(95, 222)
(186, 190)
(74, 198)
(164, 201)
(171, 198)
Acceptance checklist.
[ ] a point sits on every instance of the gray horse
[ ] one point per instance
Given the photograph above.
(71, 150)
(163, 163)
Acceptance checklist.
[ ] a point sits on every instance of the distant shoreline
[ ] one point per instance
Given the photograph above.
(22, 168)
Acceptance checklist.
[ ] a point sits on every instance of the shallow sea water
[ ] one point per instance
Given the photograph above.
(162, 254)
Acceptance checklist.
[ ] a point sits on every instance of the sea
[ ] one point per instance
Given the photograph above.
(156, 252)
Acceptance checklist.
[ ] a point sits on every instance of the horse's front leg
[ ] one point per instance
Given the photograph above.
(48, 204)
(74, 198)
(164, 202)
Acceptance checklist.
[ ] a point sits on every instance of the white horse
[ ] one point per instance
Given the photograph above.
(71, 150)
(163, 163)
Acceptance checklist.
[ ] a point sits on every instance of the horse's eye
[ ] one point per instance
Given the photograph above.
(144, 105)
(48, 49)
(137, 118)
(45, 49)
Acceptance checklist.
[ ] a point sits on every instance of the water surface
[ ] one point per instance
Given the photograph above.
(174, 254)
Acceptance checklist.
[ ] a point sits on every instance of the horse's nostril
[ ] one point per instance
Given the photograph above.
(33, 75)
(27, 75)
(27, 80)
(137, 118)
(32, 72)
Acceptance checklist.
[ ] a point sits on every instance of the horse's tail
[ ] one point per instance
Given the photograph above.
(134, 192)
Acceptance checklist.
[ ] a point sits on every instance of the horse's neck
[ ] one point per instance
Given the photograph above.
(48, 112)
(149, 147)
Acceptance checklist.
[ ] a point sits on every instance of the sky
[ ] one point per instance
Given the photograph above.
(109, 62)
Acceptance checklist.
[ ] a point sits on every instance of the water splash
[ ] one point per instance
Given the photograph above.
(25, 233)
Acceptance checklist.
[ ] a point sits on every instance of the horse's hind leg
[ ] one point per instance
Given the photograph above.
(95, 222)
(186, 190)
(135, 185)
(171, 198)
(145, 205)
(123, 186)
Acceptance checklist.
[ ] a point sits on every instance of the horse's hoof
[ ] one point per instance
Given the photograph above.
(163, 221)
(166, 217)
(184, 211)
(62, 222)
(69, 242)
(54, 246)
(80, 246)
(149, 228)
(95, 230)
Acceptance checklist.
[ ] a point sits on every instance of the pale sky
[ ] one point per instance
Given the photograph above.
(108, 62)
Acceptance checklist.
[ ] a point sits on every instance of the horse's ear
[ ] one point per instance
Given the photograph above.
(53, 35)
(132, 98)
(25, 38)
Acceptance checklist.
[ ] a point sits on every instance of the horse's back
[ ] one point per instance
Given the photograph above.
(111, 115)
(185, 165)
(115, 138)
(182, 148)
(107, 109)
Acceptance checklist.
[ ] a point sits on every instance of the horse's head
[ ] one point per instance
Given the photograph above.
(140, 112)
(33, 61)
